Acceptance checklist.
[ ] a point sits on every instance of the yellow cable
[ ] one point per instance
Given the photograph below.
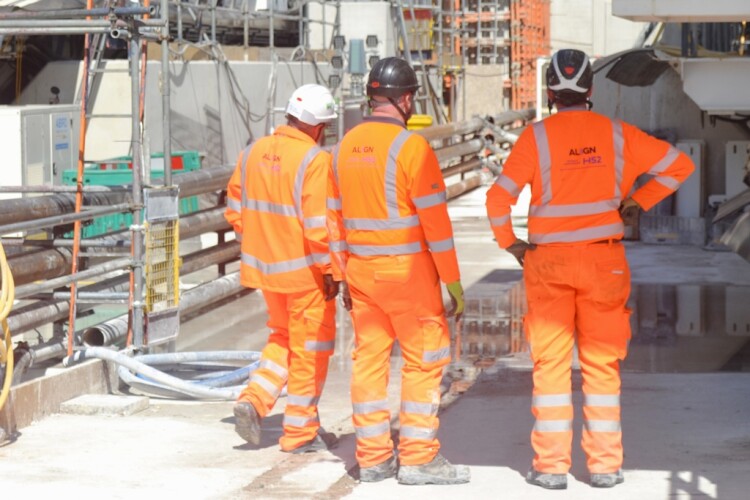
(7, 295)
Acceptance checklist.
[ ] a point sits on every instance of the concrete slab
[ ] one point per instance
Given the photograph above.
(104, 404)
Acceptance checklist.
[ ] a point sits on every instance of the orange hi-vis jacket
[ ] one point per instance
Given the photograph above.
(276, 199)
(581, 165)
(393, 198)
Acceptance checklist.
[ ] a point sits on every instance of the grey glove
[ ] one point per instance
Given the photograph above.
(518, 249)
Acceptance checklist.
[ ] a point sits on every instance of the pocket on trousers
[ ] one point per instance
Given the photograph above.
(395, 276)
(612, 281)
(436, 341)
(320, 332)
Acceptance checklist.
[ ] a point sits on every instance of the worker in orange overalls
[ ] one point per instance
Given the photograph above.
(581, 166)
(276, 202)
(396, 246)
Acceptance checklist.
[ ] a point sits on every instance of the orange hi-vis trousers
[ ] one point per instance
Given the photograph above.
(577, 294)
(397, 297)
(303, 333)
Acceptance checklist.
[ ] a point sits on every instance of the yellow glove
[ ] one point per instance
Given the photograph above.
(456, 292)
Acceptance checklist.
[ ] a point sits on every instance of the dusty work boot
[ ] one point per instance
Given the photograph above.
(546, 480)
(247, 422)
(607, 480)
(439, 471)
(378, 472)
(321, 441)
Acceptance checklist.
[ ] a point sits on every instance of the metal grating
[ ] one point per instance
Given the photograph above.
(162, 265)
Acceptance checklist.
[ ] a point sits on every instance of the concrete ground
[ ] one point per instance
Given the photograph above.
(686, 432)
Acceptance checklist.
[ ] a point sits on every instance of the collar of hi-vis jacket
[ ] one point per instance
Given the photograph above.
(385, 119)
(577, 107)
(292, 132)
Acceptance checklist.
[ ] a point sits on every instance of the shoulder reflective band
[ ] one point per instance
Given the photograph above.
(391, 168)
(243, 168)
(335, 154)
(300, 178)
(618, 141)
(545, 160)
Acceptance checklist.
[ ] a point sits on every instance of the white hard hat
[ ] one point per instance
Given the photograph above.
(312, 104)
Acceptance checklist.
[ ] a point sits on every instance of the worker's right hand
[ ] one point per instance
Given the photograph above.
(456, 292)
(330, 287)
(346, 297)
(629, 210)
(518, 249)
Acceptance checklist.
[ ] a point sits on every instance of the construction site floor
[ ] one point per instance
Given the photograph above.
(685, 398)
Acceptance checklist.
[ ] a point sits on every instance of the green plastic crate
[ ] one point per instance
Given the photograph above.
(116, 172)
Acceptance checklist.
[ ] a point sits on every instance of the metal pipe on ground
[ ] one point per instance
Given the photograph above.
(461, 149)
(464, 186)
(37, 314)
(114, 330)
(439, 132)
(462, 167)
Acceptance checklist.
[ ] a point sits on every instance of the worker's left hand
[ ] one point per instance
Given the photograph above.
(346, 297)
(330, 287)
(518, 249)
(456, 292)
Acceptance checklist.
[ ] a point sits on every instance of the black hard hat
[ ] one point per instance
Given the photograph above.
(391, 77)
(570, 72)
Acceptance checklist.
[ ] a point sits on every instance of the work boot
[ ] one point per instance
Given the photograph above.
(607, 480)
(247, 422)
(546, 480)
(378, 472)
(321, 441)
(439, 471)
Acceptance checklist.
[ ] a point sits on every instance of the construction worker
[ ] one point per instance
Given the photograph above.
(396, 246)
(581, 166)
(276, 202)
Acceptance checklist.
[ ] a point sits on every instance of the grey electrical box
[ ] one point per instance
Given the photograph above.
(38, 144)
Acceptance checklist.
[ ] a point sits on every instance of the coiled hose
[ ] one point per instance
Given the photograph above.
(7, 295)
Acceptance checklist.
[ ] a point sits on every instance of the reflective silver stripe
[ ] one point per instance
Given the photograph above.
(369, 431)
(277, 267)
(335, 154)
(668, 182)
(293, 399)
(618, 141)
(553, 426)
(321, 258)
(545, 160)
(233, 204)
(499, 221)
(430, 200)
(508, 184)
(589, 233)
(317, 346)
(411, 432)
(439, 355)
(313, 222)
(441, 246)
(664, 163)
(338, 246)
(300, 178)
(602, 425)
(369, 407)
(243, 168)
(391, 167)
(548, 400)
(295, 421)
(270, 207)
(610, 400)
(403, 249)
(592, 208)
(266, 385)
(378, 224)
(274, 367)
(333, 203)
(430, 409)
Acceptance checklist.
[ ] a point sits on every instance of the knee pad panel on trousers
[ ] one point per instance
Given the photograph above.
(436, 342)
